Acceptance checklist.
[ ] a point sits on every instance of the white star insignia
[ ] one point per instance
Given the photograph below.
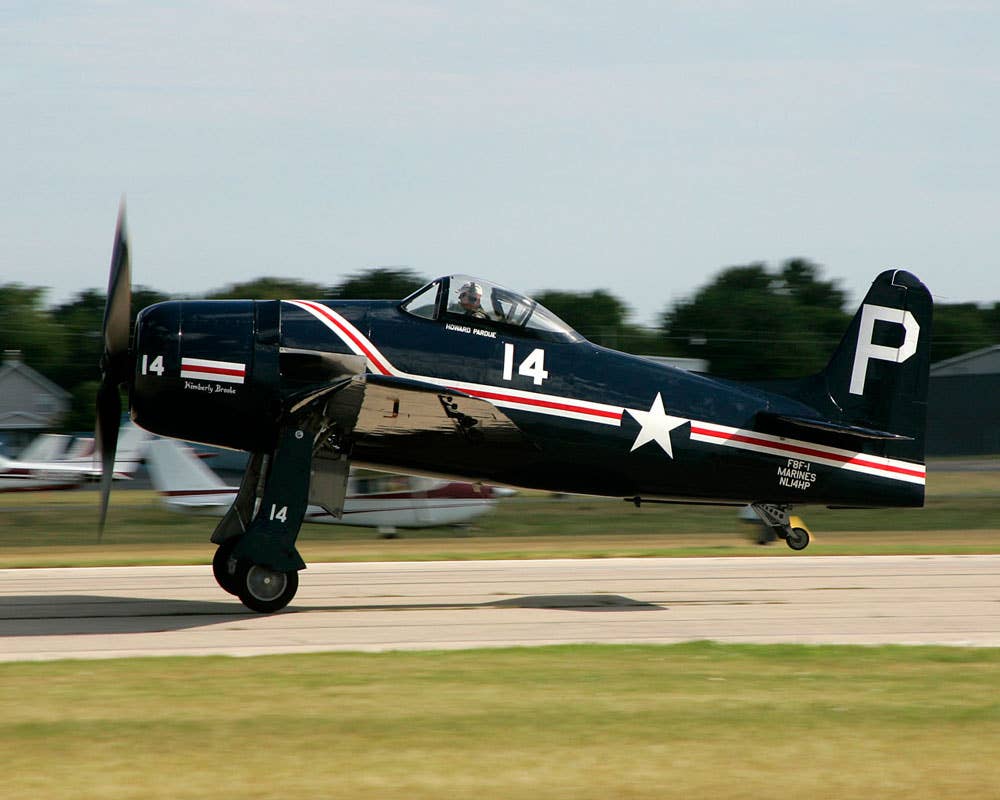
(656, 426)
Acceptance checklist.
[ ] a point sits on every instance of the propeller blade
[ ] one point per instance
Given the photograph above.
(118, 307)
(115, 364)
(109, 412)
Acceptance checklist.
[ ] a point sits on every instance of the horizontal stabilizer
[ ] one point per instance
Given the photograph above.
(834, 427)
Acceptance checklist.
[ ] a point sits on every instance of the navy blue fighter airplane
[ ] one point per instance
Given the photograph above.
(466, 379)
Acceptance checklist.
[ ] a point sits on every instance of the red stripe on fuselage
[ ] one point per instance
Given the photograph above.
(235, 373)
(531, 401)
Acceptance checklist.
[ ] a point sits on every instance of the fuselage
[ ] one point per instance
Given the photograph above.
(28, 477)
(594, 421)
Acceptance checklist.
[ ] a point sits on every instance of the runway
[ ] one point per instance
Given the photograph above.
(153, 611)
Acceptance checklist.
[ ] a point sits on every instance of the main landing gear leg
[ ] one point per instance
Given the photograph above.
(257, 560)
(784, 525)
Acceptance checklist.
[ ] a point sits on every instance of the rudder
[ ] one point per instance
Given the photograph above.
(877, 377)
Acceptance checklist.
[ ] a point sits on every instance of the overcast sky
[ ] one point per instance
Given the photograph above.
(638, 147)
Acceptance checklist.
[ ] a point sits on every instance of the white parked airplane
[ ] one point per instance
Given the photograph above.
(36, 473)
(46, 447)
(376, 499)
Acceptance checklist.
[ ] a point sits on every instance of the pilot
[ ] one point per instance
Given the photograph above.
(469, 298)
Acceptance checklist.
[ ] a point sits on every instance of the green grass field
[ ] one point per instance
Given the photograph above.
(682, 721)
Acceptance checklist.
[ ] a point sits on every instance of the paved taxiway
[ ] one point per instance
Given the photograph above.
(122, 611)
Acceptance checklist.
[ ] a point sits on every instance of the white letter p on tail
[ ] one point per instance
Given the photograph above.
(866, 349)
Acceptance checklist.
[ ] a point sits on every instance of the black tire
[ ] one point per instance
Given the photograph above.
(263, 589)
(224, 565)
(798, 539)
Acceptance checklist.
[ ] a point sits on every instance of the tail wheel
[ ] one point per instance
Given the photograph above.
(798, 538)
(224, 565)
(263, 589)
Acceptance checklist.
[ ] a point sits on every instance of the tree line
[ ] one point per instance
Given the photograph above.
(747, 322)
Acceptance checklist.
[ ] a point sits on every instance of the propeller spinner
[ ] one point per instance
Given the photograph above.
(115, 361)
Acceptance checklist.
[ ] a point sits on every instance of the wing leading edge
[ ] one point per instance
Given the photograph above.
(414, 417)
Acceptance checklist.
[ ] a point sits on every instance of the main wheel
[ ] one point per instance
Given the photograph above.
(798, 539)
(224, 565)
(264, 589)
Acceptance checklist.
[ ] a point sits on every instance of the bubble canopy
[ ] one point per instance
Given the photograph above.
(475, 301)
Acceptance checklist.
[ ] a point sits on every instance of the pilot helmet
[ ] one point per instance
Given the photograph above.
(471, 288)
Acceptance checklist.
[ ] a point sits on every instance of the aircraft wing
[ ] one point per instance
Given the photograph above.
(390, 411)
(409, 416)
(211, 503)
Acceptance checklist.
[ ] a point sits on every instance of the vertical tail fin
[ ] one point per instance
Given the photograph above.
(174, 469)
(877, 377)
(46, 447)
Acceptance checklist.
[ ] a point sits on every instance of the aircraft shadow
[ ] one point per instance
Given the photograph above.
(85, 615)
(577, 602)
(70, 615)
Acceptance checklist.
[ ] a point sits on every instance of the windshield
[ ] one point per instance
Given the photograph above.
(477, 301)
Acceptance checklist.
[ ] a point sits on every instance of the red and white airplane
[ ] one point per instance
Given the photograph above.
(374, 499)
(46, 465)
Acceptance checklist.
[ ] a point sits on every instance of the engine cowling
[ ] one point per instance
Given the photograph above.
(208, 371)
